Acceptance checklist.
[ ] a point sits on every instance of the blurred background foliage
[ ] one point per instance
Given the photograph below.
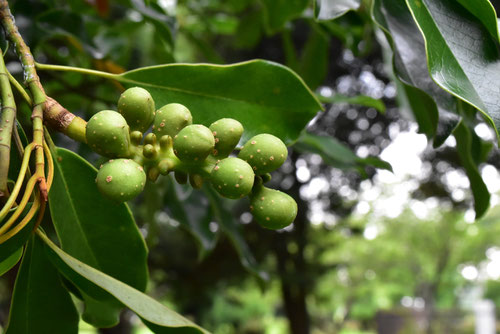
(349, 262)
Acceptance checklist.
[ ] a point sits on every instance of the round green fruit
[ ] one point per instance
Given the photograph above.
(137, 107)
(232, 178)
(107, 133)
(264, 152)
(273, 209)
(121, 180)
(194, 143)
(227, 133)
(170, 119)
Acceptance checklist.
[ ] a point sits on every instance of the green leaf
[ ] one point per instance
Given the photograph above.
(10, 261)
(192, 211)
(12, 245)
(40, 303)
(265, 97)
(332, 9)
(279, 12)
(479, 190)
(463, 58)
(95, 230)
(361, 100)
(434, 108)
(485, 12)
(56, 22)
(313, 64)
(155, 15)
(156, 316)
(232, 229)
(336, 154)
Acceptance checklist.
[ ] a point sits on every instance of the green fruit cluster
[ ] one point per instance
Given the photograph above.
(194, 152)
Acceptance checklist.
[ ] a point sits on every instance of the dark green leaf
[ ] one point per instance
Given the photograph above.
(63, 22)
(10, 261)
(411, 68)
(156, 316)
(279, 12)
(485, 12)
(192, 211)
(232, 229)
(313, 64)
(361, 100)
(154, 14)
(93, 229)
(479, 190)
(40, 303)
(335, 153)
(331, 9)
(463, 57)
(18, 240)
(264, 96)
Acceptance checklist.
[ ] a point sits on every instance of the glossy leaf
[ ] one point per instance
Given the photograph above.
(156, 316)
(94, 229)
(40, 303)
(485, 12)
(360, 100)
(479, 190)
(10, 261)
(332, 9)
(192, 211)
(264, 96)
(463, 57)
(438, 118)
(231, 228)
(279, 12)
(336, 154)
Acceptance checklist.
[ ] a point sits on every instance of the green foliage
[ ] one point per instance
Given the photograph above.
(458, 71)
(444, 58)
(264, 96)
(40, 303)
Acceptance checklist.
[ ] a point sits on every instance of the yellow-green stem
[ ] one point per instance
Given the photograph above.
(7, 121)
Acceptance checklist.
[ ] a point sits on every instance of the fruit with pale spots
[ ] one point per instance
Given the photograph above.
(194, 143)
(272, 209)
(137, 107)
(227, 133)
(107, 133)
(170, 119)
(232, 178)
(121, 180)
(264, 152)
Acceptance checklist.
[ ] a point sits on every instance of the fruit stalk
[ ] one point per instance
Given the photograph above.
(7, 121)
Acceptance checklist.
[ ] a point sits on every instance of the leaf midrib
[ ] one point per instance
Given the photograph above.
(124, 79)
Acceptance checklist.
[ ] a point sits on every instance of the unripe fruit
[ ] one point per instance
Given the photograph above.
(137, 107)
(170, 119)
(227, 133)
(273, 209)
(194, 143)
(232, 178)
(121, 180)
(107, 133)
(264, 153)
